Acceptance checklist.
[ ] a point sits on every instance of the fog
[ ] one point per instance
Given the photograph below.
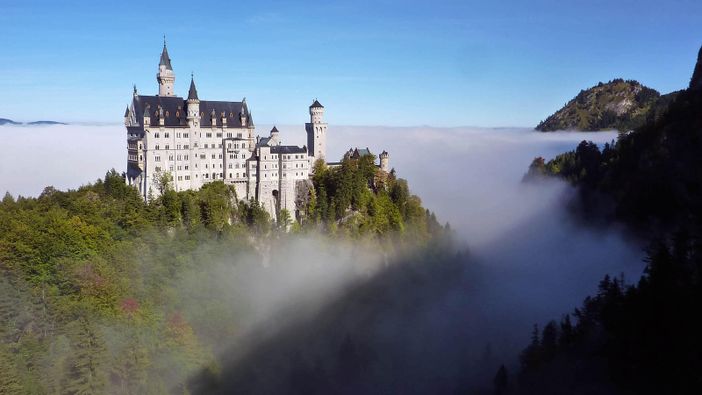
(406, 322)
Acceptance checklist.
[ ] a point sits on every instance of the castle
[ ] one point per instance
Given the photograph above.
(199, 141)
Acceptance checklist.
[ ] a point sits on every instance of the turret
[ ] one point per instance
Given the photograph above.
(384, 161)
(274, 137)
(193, 105)
(126, 117)
(243, 117)
(316, 132)
(165, 76)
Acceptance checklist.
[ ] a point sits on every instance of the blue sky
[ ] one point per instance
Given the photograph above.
(439, 63)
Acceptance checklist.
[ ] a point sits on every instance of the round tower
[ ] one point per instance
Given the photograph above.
(316, 132)
(384, 161)
(165, 76)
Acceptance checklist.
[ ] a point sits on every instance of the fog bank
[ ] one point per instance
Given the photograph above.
(442, 325)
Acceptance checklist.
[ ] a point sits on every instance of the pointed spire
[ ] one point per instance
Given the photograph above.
(165, 60)
(126, 112)
(192, 94)
(135, 90)
(316, 104)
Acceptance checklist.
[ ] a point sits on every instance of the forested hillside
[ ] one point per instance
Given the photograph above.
(103, 292)
(615, 105)
(632, 337)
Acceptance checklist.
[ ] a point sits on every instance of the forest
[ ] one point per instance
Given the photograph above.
(102, 292)
(636, 337)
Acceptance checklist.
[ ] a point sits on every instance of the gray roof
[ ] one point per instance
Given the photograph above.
(126, 112)
(316, 104)
(175, 111)
(192, 93)
(363, 151)
(264, 141)
(165, 60)
(274, 130)
(288, 149)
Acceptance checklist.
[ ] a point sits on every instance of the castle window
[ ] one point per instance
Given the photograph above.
(157, 158)
(157, 146)
(186, 167)
(177, 114)
(156, 135)
(168, 114)
(166, 135)
(185, 135)
(167, 146)
(219, 135)
(213, 156)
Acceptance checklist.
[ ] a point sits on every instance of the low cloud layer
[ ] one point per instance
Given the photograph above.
(529, 261)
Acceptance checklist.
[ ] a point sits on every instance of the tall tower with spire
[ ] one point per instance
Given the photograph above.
(165, 76)
(316, 132)
(193, 105)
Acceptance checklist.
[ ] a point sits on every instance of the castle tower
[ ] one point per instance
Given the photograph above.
(316, 132)
(165, 76)
(385, 161)
(193, 105)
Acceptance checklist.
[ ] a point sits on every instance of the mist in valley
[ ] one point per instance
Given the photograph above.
(320, 315)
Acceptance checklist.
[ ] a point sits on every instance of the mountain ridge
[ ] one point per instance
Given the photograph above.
(6, 121)
(615, 105)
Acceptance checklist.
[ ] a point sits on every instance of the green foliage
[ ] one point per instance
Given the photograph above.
(649, 178)
(88, 294)
(615, 105)
(359, 200)
(646, 332)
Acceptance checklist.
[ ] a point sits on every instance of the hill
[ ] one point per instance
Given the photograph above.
(617, 104)
(101, 292)
(5, 121)
(641, 337)
(46, 123)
